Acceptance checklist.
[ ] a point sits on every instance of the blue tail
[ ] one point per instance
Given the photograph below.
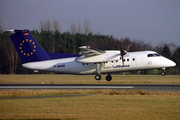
(27, 47)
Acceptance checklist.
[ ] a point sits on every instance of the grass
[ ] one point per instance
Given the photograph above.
(104, 104)
(23, 93)
(43, 92)
(89, 79)
(93, 107)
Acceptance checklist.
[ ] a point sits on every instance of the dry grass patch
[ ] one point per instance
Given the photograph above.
(21, 93)
(140, 92)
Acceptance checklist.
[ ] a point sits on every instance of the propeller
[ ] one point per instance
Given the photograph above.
(123, 52)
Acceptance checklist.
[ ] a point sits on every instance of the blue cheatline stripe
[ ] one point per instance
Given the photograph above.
(60, 55)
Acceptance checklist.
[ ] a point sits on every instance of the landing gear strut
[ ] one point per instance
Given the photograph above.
(108, 77)
(98, 70)
(163, 72)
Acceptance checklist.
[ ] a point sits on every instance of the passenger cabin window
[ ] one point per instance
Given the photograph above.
(153, 55)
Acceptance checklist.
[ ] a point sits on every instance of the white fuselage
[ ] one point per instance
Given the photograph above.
(111, 63)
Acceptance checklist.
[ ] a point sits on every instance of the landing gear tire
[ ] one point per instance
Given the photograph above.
(108, 78)
(163, 73)
(98, 77)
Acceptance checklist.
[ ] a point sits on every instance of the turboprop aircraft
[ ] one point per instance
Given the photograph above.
(89, 61)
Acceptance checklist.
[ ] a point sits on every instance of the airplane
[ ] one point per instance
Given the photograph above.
(89, 61)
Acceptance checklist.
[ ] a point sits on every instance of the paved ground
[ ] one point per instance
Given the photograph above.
(175, 88)
(92, 86)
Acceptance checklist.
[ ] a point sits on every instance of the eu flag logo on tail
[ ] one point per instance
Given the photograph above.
(27, 47)
(23, 48)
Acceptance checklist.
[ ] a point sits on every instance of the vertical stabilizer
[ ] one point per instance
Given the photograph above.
(27, 47)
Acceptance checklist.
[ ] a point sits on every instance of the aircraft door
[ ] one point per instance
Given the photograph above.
(133, 61)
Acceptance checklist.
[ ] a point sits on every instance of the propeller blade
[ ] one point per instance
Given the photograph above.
(122, 53)
(123, 60)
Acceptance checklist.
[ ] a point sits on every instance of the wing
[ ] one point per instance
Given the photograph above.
(90, 55)
(88, 51)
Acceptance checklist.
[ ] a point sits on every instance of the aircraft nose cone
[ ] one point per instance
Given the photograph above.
(173, 63)
(170, 63)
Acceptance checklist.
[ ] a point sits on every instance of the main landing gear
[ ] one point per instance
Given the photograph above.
(108, 77)
(98, 70)
(98, 77)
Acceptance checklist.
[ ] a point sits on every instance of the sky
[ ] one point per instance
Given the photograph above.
(151, 21)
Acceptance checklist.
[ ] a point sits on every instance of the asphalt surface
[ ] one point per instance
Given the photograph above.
(172, 88)
(92, 86)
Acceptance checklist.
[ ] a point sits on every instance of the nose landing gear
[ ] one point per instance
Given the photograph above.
(163, 73)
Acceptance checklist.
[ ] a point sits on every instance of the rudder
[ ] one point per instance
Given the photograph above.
(27, 47)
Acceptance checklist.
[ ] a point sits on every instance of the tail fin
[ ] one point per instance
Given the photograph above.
(27, 47)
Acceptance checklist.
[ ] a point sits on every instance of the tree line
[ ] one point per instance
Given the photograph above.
(69, 42)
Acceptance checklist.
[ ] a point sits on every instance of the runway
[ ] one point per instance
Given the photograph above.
(92, 86)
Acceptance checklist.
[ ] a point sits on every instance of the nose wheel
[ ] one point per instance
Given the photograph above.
(163, 73)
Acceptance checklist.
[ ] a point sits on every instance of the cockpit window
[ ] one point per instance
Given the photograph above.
(153, 55)
(150, 55)
(156, 54)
